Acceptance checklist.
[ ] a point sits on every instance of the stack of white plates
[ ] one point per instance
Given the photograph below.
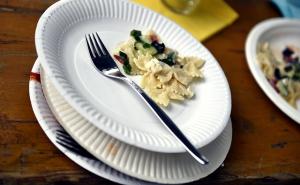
(105, 117)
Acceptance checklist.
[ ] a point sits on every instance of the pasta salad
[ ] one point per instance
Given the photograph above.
(165, 74)
(283, 73)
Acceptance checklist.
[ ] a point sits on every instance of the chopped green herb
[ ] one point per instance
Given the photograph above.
(126, 64)
(172, 55)
(127, 68)
(144, 48)
(297, 67)
(123, 55)
(146, 45)
(170, 60)
(136, 34)
(296, 76)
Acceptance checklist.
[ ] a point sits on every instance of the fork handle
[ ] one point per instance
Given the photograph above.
(168, 123)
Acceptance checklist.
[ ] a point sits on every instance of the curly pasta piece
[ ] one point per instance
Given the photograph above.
(182, 76)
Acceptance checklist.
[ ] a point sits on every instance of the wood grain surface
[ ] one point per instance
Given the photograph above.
(266, 143)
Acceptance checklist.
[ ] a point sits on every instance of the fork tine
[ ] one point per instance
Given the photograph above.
(76, 151)
(65, 140)
(62, 132)
(92, 45)
(89, 47)
(64, 135)
(97, 45)
(102, 45)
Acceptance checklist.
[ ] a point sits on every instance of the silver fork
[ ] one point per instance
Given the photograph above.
(107, 66)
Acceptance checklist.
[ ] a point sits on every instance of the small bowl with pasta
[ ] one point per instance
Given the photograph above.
(273, 51)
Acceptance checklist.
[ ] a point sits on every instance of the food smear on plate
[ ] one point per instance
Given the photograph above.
(166, 75)
(283, 72)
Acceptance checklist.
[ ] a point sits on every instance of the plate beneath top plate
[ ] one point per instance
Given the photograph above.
(279, 33)
(50, 126)
(111, 105)
(166, 168)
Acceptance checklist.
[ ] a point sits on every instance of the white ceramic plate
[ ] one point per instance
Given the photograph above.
(111, 105)
(279, 33)
(143, 164)
(50, 126)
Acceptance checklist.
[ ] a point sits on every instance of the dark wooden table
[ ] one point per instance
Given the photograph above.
(266, 143)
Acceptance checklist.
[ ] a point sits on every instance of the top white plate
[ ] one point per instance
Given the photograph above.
(111, 105)
(279, 33)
